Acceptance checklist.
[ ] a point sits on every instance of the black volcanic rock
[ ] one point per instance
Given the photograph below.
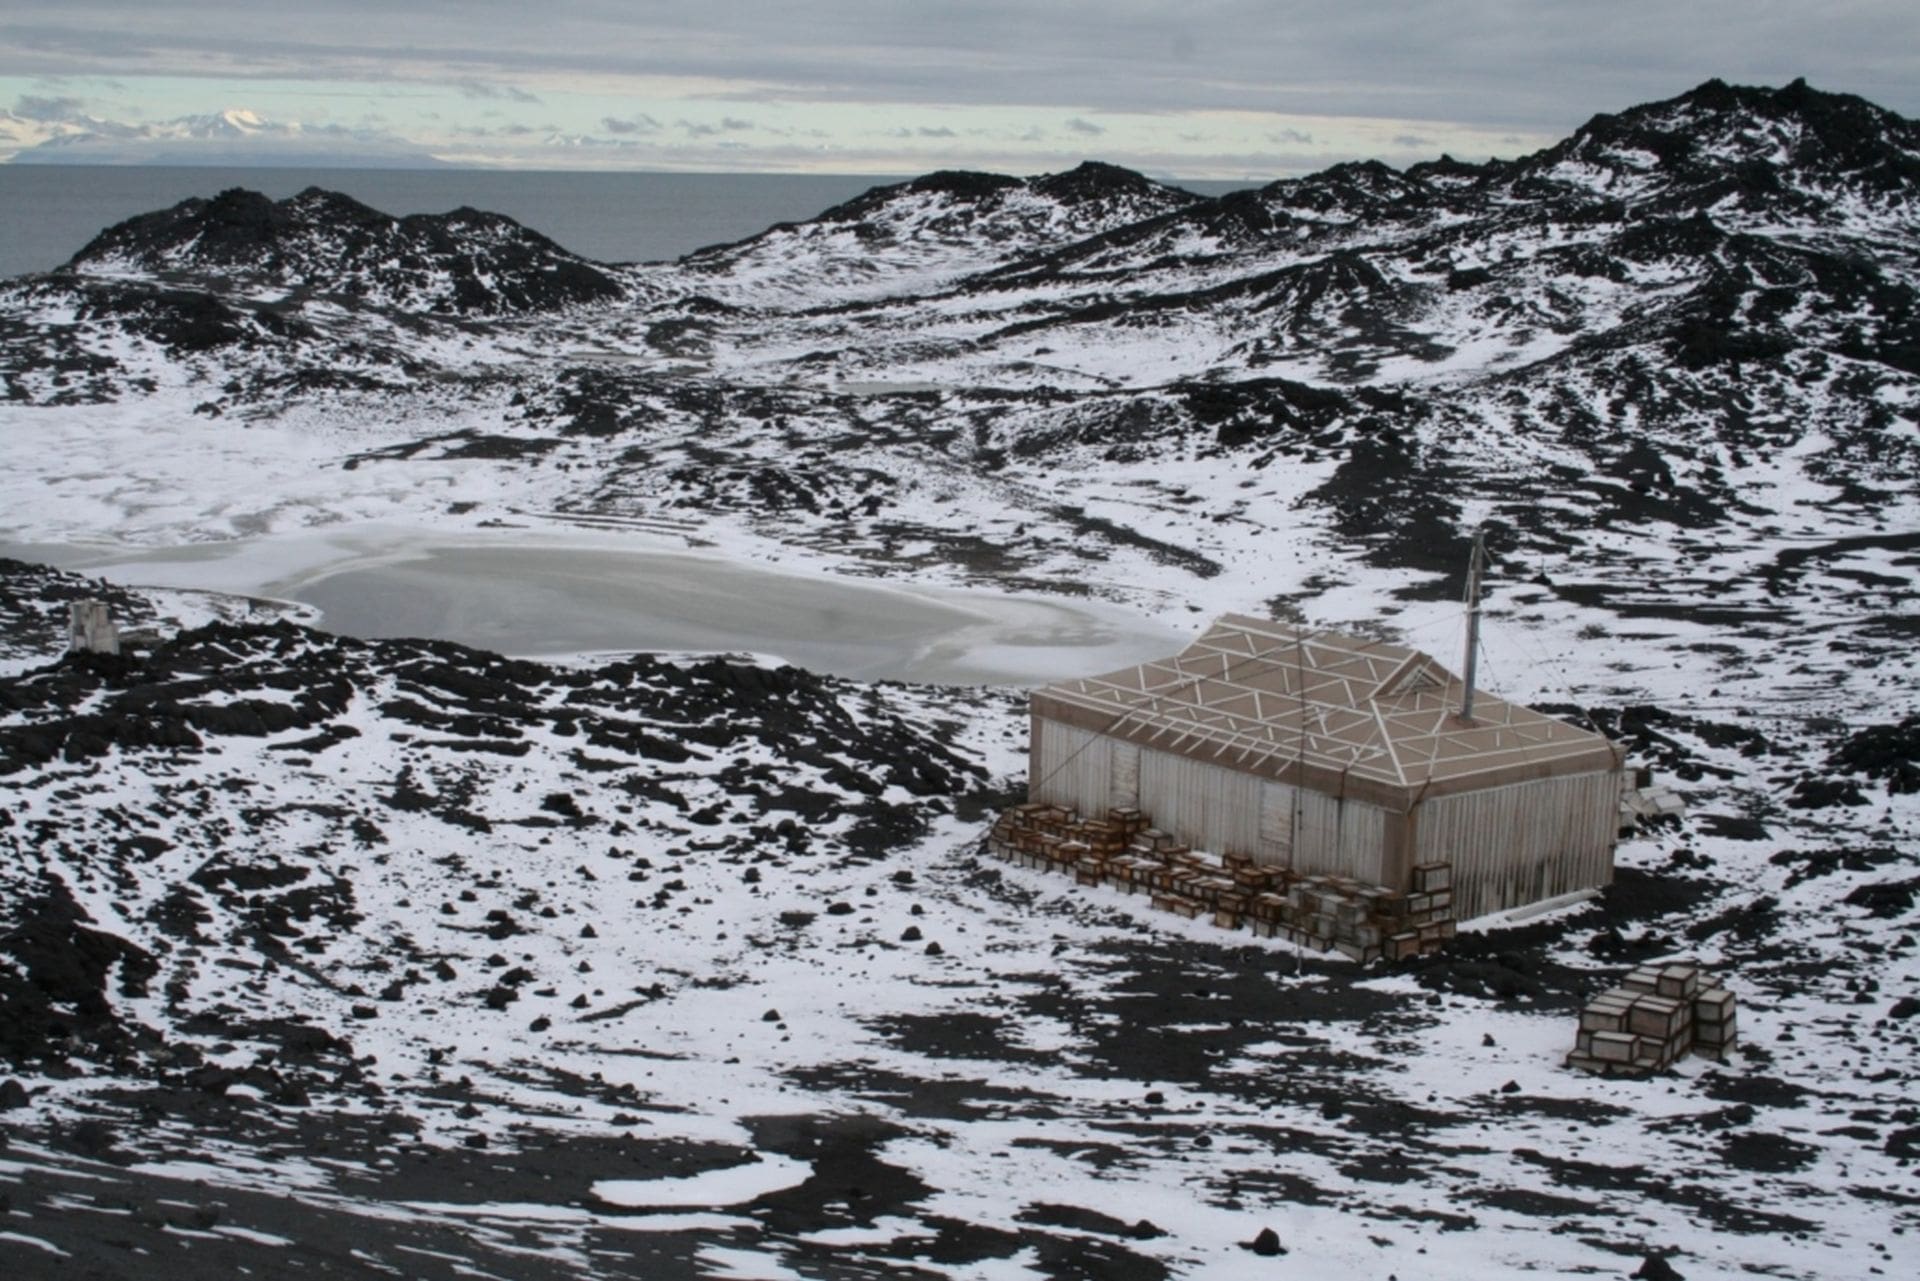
(54, 971)
(1092, 187)
(1720, 139)
(956, 214)
(961, 184)
(1094, 181)
(466, 262)
(1360, 188)
(1448, 172)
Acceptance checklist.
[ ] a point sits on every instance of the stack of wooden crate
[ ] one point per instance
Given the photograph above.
(1326, 913)
(1657, 1015)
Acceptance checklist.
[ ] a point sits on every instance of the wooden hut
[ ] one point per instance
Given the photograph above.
(1331, 754)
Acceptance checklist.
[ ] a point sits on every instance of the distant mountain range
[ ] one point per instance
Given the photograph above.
(232, 137)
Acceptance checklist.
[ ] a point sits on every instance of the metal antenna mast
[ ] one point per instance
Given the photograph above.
(1475, 565)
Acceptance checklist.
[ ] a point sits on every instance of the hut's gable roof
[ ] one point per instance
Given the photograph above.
(1336, 712)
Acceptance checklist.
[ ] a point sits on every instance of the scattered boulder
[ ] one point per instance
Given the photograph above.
(1266, 1242)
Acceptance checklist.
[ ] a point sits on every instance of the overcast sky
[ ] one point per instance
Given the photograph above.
(1200, 88)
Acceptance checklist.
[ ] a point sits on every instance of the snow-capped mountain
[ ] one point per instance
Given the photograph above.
(707, 946)
(234, 136)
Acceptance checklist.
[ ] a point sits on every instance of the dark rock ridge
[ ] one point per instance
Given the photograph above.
(466, 262)
(1721, 139)
(1092, 193)
(975, 218)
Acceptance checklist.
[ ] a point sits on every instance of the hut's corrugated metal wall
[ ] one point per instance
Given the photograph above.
(1208, 806)
(1070, 767)
(1523, 842)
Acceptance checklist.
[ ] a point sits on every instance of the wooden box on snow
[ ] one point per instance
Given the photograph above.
(1615, 1047)
(1606, 1013)
(1659, 1018)
(1678, 982)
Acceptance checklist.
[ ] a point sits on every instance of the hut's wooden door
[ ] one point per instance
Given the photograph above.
(1124, 783)
(1277, 823)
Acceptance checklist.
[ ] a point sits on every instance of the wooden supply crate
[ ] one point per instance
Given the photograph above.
(1672, 1009)
(1658, 1017)
(1122, 851)
(1606, 1013)
(1678, 982)
(1178, 904)
(1713, 1005)
(1645, 979)
(1614, 1047)
(1717, 1035)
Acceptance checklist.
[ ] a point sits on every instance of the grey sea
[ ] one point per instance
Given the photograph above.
(48, 212)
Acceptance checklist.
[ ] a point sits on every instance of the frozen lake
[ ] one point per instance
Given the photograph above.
(532, 594)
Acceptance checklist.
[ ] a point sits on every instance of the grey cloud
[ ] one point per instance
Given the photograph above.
(1527, 67)
(942, 131)
(492, 92)
(641, 123)
(1294, 137)
(699, 129)
(1413, 141)
(36, 107)
(1086, 127)
(515, 130)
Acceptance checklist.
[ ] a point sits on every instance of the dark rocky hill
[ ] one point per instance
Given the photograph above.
(466, 262)
(1745, 142)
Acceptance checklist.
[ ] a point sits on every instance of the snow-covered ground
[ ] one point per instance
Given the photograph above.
(397, 956)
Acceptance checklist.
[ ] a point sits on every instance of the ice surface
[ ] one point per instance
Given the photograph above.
(525, 593)
(733, 1185)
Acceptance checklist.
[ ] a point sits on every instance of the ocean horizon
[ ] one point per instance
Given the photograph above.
(52, 211)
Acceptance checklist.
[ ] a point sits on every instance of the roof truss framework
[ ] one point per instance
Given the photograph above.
(1325, 708)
